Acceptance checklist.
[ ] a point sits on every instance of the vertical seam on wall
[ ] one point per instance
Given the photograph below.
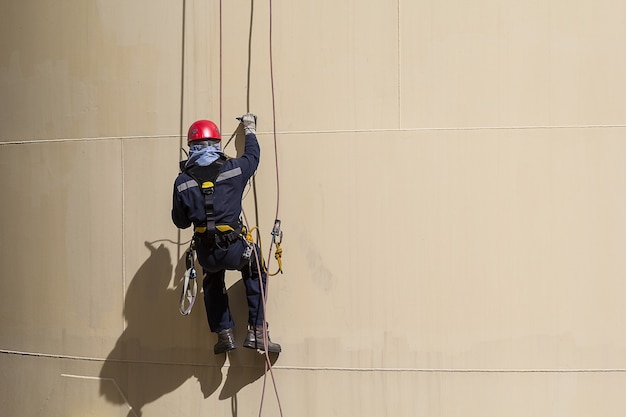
(123, 231)
(182, 75)
(399, 70)
(181, 129)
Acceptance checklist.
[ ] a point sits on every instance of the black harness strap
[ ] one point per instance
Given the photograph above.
(205, 176)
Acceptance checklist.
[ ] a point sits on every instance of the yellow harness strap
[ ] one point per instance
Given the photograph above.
(220, 227)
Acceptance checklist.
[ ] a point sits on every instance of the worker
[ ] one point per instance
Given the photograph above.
(208, 194)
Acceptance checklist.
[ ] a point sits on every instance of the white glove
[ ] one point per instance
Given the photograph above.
(248, 121)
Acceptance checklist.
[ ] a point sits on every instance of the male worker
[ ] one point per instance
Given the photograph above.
(208, 194)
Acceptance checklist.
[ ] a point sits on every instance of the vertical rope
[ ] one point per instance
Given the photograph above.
(274, 109)
(249, 56)
(258, 257)
(268, 363)
(221, 107)
(271, 59)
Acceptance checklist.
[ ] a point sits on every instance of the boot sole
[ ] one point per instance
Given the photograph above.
(261, 347)
(227, 349)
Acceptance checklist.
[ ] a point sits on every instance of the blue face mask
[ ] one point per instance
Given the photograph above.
(203, 156)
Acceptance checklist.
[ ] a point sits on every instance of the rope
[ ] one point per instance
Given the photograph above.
(271, 59)
(221, 125)
(258, 257)
(268, 363)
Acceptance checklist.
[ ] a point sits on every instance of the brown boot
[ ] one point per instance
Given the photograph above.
(225, 341)
(254, 340)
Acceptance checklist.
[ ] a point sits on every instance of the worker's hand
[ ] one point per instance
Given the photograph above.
(248, 121)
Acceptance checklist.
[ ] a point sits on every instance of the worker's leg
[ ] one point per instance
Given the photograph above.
(216, 301)
(253, 278)
(250, 275)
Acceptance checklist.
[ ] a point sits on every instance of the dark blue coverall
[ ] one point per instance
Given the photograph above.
(188, 208)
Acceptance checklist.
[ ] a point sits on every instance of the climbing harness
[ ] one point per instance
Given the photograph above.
(206, 176)
(224, 236)
(190, 284)
(216, 235)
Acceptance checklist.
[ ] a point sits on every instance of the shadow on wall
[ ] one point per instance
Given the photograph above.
(161, 349)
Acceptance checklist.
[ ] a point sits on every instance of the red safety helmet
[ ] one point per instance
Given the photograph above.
(203, 130)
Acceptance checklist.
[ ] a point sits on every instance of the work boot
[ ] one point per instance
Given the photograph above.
(254, 340)
(225, 341)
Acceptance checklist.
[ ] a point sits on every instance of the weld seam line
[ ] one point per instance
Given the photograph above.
(331, 131)
(331, 368)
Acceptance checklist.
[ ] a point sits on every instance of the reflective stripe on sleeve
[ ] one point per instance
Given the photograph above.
(229, 174)
(185, 185)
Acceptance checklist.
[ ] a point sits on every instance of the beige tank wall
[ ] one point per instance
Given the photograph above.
(451, 191)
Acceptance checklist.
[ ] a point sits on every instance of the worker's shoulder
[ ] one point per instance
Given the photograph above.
(231, 161)
(182, 177)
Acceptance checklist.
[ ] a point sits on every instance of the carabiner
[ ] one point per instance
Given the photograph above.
(276, 232)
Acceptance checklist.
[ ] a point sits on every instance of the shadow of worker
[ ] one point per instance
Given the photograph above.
(160, 349)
